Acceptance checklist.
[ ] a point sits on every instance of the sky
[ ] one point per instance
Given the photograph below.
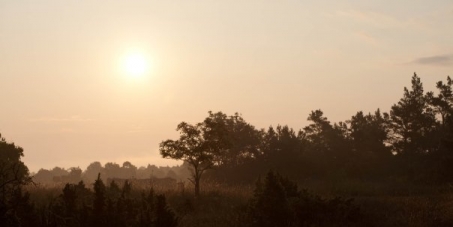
(67, 99)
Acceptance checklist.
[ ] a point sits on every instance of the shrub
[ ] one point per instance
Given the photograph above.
(278, 202)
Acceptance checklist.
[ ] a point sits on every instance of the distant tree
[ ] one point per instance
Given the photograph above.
(172, 174)
(92, 171)
(412, 119)
(151, 171)
(58, 172)
(43, 176)
(112, 170)
(128, 170)
(75, 175)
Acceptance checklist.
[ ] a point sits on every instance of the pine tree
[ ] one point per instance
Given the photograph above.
(99, 202)
(412, 119)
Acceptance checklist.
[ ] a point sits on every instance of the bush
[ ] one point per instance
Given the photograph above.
(278, 202)
(106, 206)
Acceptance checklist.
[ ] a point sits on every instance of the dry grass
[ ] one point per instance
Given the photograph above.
(387, 204)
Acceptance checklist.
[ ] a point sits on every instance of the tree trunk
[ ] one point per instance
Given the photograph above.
(197, 186)
(196, 180)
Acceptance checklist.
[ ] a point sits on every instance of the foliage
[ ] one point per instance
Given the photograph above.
(13, 176)
(412, 120)
(278, 202)
(218, 140)
(106, 206)
(193, 149)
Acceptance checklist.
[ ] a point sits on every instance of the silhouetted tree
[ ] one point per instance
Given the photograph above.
(282, 150)
(442, 103)
(412, 120)
(317, 132)
(99, 202)
(147, 211)
(69, 197)
(237, 145)
(164, 216)
(369, 134)
(218, 140)
(235, 140)
(191, 148)
(13, 175)
(328, 145)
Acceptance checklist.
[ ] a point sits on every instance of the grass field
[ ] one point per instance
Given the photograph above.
(382, 204)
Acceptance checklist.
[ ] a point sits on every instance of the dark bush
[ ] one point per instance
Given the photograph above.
(278, 202)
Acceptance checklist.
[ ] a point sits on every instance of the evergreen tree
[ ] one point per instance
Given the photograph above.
(164, 216)
(442, 103)
(412, 120)
(99, 202)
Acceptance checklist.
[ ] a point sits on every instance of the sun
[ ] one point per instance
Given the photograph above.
(135, 65)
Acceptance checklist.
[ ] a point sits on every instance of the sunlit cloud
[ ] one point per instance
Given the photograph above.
(437, 60)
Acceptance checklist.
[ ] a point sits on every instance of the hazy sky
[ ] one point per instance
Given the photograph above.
(67, 101)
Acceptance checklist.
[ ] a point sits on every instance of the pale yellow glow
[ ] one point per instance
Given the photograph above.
(136, 65)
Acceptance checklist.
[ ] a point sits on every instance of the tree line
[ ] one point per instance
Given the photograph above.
(412, 142)
(109, 170)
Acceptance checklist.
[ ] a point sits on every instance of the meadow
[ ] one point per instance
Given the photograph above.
(378, 203)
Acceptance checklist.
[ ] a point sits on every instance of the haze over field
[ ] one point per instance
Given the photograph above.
(85, 81)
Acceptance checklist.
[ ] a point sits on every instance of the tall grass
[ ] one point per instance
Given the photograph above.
(385, 203)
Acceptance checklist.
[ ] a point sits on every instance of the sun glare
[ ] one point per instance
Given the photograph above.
(135, 65)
